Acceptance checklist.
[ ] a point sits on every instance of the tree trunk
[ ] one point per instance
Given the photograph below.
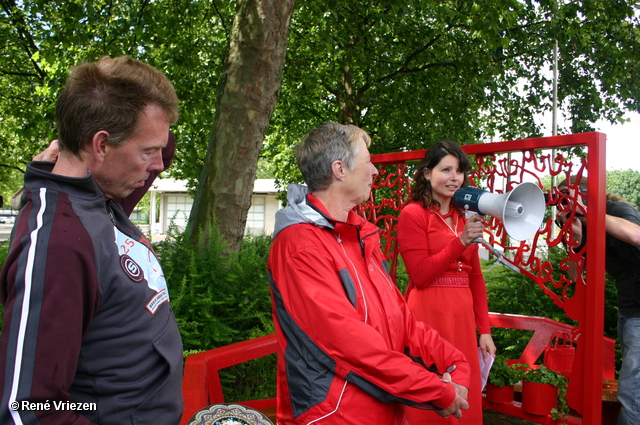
(247, 95)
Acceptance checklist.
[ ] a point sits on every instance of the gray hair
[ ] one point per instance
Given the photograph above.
(322, 146)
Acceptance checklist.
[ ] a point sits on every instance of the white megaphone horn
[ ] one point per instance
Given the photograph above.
(521, 210)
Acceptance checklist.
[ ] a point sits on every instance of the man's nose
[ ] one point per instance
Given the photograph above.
(156, 163)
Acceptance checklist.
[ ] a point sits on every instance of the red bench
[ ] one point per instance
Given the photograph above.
(202, 387)
(201, 384)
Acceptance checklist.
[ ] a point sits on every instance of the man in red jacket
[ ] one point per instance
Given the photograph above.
(349, 350)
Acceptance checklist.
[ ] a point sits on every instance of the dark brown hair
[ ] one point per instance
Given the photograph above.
(110, 95)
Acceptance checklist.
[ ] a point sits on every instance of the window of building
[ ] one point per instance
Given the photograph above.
(178, 209)
(255, 217)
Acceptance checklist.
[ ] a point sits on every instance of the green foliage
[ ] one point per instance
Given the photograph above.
(4, 250)
(502, 374)
(611, 315)
(514, 293)
(10, 181)
(542, 375)
(252, 380)
(410, 73)
(402, 277)
(42, 40)
(217, 299)
(625, 184)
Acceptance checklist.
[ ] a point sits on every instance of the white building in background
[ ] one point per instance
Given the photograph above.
(175, 206)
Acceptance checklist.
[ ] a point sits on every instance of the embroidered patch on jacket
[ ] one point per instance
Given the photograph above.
(158, 299)
(141, 264)
(131, 268)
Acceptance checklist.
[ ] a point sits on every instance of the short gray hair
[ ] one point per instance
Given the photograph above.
(322, 146)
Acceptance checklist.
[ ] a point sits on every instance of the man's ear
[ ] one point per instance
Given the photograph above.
(99, 145)
(339, 169)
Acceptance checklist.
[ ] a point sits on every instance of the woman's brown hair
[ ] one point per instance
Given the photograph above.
(421, 189)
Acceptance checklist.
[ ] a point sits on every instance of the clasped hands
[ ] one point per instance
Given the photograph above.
(459, 404)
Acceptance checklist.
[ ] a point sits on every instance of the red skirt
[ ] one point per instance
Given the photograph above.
(449, 310)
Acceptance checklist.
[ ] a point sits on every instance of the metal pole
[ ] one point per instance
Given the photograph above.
(554, 120)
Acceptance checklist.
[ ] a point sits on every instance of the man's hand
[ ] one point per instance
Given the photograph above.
(50, 153)
(459, 404)
(576, 225)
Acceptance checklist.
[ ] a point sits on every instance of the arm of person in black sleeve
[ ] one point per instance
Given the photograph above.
(128, 203)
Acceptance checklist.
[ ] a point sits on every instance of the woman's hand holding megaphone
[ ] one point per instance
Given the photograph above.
(472, 229)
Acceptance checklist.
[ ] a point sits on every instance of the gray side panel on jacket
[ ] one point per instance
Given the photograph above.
(310, 371)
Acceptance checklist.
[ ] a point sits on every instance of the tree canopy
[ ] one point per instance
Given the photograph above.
(186, 39)
(409, 72)
(625, 184)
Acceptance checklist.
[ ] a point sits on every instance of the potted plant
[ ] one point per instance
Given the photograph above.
(544, 392)
(502, 377)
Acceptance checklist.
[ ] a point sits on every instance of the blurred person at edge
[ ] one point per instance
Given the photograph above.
(87, 320)
(446, 288)
(349, 350)
(622, 262)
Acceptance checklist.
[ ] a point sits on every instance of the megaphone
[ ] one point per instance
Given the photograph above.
(521, 210)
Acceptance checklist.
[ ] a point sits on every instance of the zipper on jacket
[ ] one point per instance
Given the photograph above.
(111, 217)
(361, 239)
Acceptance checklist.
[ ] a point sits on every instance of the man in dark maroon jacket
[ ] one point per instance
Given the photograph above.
(89, 335)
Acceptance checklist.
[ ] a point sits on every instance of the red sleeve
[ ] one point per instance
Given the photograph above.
(413, 244)
(49, 288)
(129, 203)
(479, 293)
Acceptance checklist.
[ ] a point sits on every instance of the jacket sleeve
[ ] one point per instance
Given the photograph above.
(413, 244)
(49, 289)
(310, 302)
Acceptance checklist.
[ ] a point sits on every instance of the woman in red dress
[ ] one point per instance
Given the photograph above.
(446, 287)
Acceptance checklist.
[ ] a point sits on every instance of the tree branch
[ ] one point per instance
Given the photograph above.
(25, 36)
(13, 167)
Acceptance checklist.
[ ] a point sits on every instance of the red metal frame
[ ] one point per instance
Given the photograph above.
(499, 167)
